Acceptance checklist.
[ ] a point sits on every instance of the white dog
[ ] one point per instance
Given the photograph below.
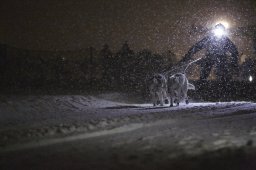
(178, 87)
(158, 89)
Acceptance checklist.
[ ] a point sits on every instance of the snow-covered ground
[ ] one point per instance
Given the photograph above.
(24, 117)
(110, 123)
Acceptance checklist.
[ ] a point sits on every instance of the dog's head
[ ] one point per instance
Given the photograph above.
(156, 81)
(177, 80)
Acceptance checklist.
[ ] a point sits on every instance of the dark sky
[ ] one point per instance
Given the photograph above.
(155, 24)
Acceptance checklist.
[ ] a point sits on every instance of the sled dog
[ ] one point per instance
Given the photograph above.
(178, 84)
(158, 89)
(178, 87)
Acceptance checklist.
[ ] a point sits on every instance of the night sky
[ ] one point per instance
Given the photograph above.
(158, 25)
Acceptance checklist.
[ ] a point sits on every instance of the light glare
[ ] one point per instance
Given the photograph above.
(219, 32)
(225, 23)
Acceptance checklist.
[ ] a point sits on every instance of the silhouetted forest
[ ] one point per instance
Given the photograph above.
(85, 69)
(93, 70)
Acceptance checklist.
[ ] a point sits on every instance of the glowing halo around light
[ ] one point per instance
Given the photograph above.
(219, 32)
(225, 23)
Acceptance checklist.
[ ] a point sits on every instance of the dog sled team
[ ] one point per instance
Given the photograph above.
(165, 87)
(174, 87)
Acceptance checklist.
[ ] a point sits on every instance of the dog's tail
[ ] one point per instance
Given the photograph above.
(191, 86)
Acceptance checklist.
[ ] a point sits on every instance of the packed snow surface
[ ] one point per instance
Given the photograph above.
(116, 130)
(27, 117)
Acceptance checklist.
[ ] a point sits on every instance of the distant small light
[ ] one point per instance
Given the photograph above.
(250, 78)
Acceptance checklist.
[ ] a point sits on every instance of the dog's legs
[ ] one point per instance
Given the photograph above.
(171, 99)
(178, 97)
(186, 96)
(160, 98)
(166, 101)
(154, 99)
(187, 101)
(178, 101)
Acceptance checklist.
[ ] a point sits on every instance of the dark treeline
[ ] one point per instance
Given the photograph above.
(86, 69)
(91, 70)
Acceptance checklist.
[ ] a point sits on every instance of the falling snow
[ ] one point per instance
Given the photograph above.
(74, 91)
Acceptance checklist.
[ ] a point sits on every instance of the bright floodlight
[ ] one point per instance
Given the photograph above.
(219, 30)
(250, 78)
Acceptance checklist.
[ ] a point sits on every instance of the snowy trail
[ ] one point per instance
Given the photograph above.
(86, 129)
(26, 118)
(84, 116)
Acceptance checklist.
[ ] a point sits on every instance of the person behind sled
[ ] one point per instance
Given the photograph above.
(218, 50)
(221, 53)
